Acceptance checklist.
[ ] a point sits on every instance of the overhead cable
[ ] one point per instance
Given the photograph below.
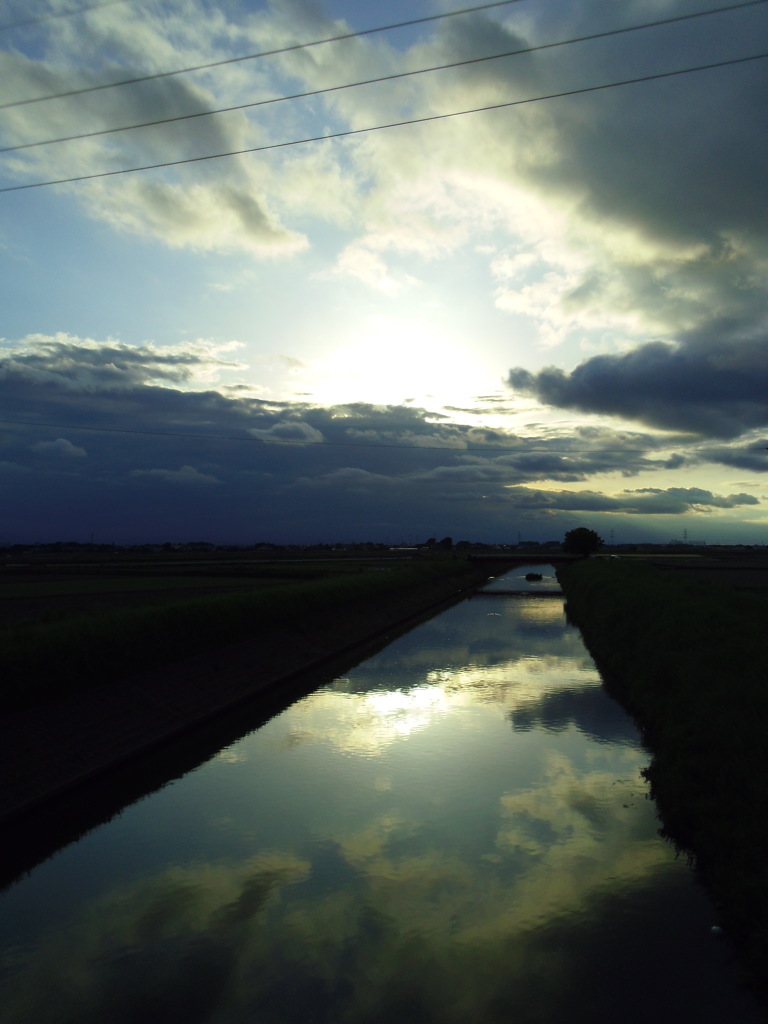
(347, 133)
(263, 53)
(383, 78)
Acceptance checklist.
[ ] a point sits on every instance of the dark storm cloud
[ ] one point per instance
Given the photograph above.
(679, 159)
(478, 34)
(65, 364)
(666, 179)
(674, 500)
(92, 444)
(753, 457)
(643, 501)
(713, 388)
(688, 201)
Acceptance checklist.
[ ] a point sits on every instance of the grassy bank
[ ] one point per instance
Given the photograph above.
(49, 659)
(687, 658)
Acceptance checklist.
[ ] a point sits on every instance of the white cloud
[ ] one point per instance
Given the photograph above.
(61, 447)
(359, 262)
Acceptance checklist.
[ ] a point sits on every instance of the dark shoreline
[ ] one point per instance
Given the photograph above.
(68, 764)
(685, 658)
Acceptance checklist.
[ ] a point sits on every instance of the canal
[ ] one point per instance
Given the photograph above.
(456, 830)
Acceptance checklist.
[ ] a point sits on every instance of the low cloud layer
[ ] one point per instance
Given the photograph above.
(643, 501)
(707, 386)
(138, 444)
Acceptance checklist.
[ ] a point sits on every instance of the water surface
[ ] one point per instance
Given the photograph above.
(457, 830)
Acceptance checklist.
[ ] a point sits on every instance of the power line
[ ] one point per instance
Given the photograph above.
(255, 56)
(382, 127)
(59, 14)
(538, 449)
(384, 78)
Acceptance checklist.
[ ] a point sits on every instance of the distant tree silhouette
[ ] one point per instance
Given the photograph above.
(582, 541)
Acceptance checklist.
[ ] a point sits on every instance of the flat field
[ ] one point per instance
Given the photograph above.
(739, 572)
(52, 590)
(67, 626)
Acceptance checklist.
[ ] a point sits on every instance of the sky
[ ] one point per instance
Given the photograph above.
(539, 304)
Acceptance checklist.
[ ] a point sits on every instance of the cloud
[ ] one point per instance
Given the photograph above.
(69, 363)
(643, 501)
(230, 212)
(622, 209)
(360, 262)
(220, 217)
(296, 431)
(705, 385)
(679, 499)
(367, 472)
(751, 456)
(60, 447)
(609, 235)
(185, 476)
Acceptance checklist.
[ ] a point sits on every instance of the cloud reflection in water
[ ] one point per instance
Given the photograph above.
(443, 867)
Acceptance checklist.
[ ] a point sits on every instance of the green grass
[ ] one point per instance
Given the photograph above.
(15, 590)
(688, 660)
(59, 592)
(42, 660)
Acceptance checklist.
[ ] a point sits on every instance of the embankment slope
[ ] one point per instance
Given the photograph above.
(688, 660)
(72, 725)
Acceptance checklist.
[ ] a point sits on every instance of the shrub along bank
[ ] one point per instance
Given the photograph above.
(688, 661)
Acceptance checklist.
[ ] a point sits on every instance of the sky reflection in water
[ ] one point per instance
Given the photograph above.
(455, 831)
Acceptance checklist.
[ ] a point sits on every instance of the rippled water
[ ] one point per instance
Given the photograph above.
(455, 831)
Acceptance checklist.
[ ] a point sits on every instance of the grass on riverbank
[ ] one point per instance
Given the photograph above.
(60, 591)
(688, 660)
(42, 660)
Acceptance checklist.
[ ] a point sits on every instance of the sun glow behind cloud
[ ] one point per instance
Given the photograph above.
(396, 359)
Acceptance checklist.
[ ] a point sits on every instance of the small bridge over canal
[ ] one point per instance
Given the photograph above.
(524, 579)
